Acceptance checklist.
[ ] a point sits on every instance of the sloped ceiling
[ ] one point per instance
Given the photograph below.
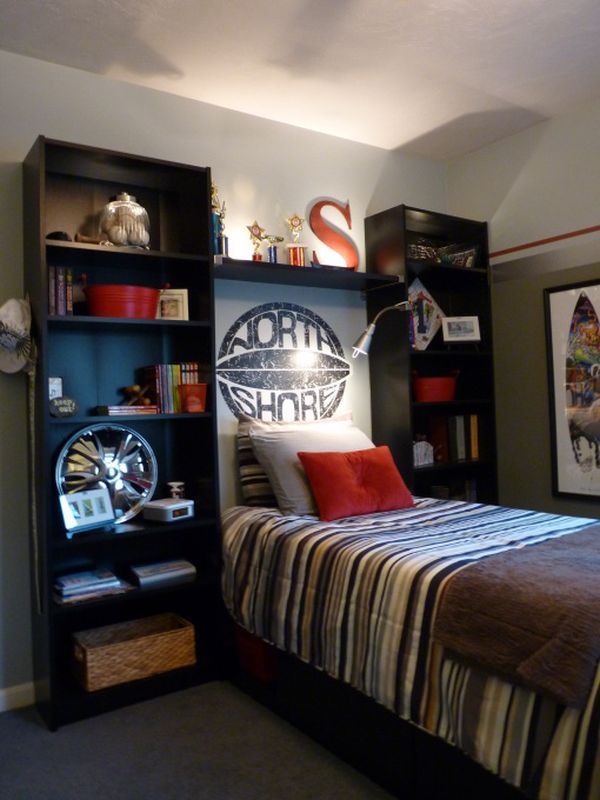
(437, 78)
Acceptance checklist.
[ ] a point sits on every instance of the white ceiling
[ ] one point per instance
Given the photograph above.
(434, 77)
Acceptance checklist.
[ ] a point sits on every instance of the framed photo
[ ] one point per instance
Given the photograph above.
(83, 510)
(173, 304)
(573, 349)
(461, 329)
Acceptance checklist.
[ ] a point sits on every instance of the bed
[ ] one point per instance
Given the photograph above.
(361, 599)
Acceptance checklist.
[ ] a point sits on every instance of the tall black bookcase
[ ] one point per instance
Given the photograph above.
(65, 188)
(407, 244)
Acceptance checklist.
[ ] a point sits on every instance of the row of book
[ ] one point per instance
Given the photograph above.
(454, 437)
(60, 291)
(97, 583)
(163, 381)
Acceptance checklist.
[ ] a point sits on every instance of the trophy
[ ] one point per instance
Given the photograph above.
(257, 234)
(295, 250)
(272, 249)
(220, 241)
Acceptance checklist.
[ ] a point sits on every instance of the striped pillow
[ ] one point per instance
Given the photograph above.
(254, 484)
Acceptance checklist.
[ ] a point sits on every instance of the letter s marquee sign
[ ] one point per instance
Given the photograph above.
(282, 362)
(330, 235)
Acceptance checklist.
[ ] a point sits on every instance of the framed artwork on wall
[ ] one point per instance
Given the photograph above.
(573, 349)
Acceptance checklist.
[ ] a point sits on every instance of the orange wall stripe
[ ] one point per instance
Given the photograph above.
(538, 242)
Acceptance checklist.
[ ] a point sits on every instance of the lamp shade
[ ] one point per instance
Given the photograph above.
(362, 345)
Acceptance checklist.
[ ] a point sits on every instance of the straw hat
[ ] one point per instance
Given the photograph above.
(15, 335)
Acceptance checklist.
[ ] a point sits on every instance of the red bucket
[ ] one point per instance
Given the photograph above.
(435, 390)
(116, 300)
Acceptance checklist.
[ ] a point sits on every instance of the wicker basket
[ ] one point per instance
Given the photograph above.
(129, 651)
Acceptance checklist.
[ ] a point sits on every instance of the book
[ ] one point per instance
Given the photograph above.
(61, 296)
(456, 437)
(474, 436)
(124, 410)
(93, 593)
(77, 579)
(69, 293)
(163, 572)
(438, 436)
(51, 291)
(84, 583)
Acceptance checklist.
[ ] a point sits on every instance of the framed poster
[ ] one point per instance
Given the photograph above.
(573, 347)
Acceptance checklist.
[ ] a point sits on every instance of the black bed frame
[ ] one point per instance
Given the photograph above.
(407, 762)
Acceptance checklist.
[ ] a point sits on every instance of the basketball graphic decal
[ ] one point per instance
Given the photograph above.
(282, 362)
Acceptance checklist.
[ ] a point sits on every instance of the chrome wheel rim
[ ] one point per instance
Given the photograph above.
(113, 456)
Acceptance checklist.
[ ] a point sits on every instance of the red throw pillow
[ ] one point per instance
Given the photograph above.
(359, 482)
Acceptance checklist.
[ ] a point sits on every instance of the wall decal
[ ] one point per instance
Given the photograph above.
(329, 234)
(282, 362)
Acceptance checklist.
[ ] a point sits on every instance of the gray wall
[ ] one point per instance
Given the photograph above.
(522, 403)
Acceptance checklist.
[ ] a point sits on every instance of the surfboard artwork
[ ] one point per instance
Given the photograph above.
(582, 388)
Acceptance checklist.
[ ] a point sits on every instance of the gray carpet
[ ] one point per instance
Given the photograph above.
(211, 742)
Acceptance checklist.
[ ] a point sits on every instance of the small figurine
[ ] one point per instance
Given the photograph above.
(176, 488)
(135, 395)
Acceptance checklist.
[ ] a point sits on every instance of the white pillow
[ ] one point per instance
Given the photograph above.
(276, 446)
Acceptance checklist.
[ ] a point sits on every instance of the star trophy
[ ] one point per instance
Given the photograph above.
(272, 249)
(295, 250)
(220, 241)
(257, 234)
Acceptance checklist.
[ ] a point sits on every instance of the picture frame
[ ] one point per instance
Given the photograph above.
(89, 509)
(461, 329)
(173, 304)
(573, 352)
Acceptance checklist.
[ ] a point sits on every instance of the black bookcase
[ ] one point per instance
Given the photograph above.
(65, 188)
(406, 244)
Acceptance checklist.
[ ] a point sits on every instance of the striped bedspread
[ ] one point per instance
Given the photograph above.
(358, 597)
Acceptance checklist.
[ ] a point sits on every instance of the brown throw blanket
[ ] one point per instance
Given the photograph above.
(531, 615)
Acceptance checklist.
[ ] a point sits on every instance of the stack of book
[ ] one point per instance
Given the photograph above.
(163, 573)
(124, 410)
(89, 585)
(163, 380)
(454, 437)
(60, 291)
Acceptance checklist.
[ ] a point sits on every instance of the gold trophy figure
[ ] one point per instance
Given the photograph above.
(257, 235)
(295, 250)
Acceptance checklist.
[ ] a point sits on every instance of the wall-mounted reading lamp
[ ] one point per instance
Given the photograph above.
(362, 345)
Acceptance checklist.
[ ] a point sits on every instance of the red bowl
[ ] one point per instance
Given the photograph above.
(117, 300)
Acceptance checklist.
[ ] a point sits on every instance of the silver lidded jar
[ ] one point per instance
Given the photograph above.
(124, 222)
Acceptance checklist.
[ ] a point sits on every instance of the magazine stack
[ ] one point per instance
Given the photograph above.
(89, 585)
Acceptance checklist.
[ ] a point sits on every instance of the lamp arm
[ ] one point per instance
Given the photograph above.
(404, 305)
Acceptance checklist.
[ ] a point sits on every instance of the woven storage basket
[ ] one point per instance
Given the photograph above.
(132, 650)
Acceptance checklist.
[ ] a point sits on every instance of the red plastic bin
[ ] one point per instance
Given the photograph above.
(435, 389)
(120, 300)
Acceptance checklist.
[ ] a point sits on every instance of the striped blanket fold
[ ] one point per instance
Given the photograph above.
(531, 615)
